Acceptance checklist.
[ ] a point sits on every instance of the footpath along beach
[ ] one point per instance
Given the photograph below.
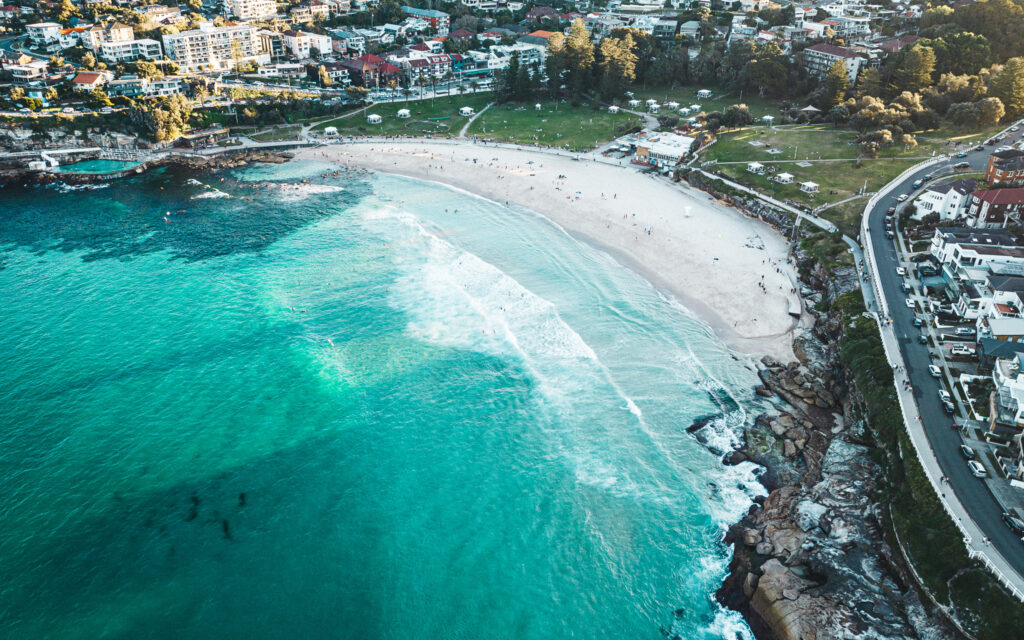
(729, 270)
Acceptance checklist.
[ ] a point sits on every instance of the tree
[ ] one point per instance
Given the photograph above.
(16, 93)
(65, 10)
(736, 115)
(579, 57)
(555, 62)
(834, 85)
(914, 71)
(1007, 84)
(88, 61)
(990, 111)
(869, 83)
(50, 95)
(838, 114)
(324, 79)
(617, 66)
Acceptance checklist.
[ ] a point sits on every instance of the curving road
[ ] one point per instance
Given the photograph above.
(944, 440)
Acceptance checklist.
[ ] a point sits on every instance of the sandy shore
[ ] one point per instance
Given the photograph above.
(729, 270)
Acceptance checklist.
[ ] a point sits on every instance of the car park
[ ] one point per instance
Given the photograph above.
(901, 271)
(1016, 524)
(967, 452)
(977, 470)
(934, 371)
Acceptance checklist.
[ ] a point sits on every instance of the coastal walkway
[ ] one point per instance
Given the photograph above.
(816, 221)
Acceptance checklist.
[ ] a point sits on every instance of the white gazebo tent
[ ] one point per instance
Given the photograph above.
(695, 108)
(613, 109)
(403, 113)
(651, 101)
(373, 118)
(784, 178)
(767, 119)
(809, 187)
(672, 105)
(654, 107)
(537, 107)
(684, 111)
(704, 93)
(330, 131)
(466, 111)
(634, 103)
(755, 167)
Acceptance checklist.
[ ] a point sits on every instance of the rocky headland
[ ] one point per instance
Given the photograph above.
(811, 561)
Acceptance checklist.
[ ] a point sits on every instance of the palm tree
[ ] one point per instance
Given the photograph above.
(406, 91)
(474, 85)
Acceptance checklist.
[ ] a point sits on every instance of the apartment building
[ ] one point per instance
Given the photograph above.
(1005, 167)
(94, 37)
(252, 9)
(43, 33)
(302, 45)
(211, 48)
(819, 58)
(437, 19)
(131, 50)
(948, 199)
(994, 208)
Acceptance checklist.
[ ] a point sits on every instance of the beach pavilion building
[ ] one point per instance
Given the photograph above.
(662, 150)
(373, 118)
(809, 187)
(704, 93)
(613, 109)
(403, 113)
(466, 111)
(755, 167)
(784, 178)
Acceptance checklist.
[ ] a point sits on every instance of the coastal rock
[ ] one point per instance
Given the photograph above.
(751, 537)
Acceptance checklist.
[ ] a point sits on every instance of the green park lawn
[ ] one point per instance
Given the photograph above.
(445, 109)
(561, 125)
(815, 142)
(290, 132)
(836, 180)
(717, 102)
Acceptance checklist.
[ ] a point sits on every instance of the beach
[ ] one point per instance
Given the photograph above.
(729, 270)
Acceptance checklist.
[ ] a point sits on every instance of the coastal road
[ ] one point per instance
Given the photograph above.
(942, 438)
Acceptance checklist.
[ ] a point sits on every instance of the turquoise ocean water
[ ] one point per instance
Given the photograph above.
(360, 407)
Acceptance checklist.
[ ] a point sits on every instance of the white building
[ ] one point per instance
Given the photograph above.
(252, 9)
(948, 199)
(130, 50)
(215, 48)
(43, 33)
(302, 44)
(94, 37)
(819, 58)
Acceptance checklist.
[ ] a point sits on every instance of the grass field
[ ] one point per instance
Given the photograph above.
(836, 180)
(811, 142)
(290, 132)
(580, 127)
(717, 102)
(419, 124)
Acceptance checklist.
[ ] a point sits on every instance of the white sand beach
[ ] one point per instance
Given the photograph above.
(729, 270)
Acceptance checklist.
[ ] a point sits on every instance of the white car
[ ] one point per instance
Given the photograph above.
(935, 371)
(901, 271)
(977, 470)
(944, 396)
(910, 304)
(902, 197)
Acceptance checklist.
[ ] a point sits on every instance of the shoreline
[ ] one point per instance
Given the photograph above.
(705, 255)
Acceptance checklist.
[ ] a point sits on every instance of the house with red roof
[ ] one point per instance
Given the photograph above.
(89, 80)
(994, 207)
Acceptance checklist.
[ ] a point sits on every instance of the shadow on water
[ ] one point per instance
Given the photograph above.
(146, 213)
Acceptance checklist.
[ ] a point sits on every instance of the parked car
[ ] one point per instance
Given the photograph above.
(107, 110)
(889, 234)
(961, 155)
(1016, 524)
(67, 110)
(944, 395)
(923, 339)
(918, 322)
(935, 371)
(917, 184)
(910, 304)
(977, 470)
(901, 271)
(979, 148)
(961, 350)
(949, 408)
(1014, 128)
(962, 165)
(967, 452)
(906, 288)
(891, 211)
(965, 331)
(902, 197)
